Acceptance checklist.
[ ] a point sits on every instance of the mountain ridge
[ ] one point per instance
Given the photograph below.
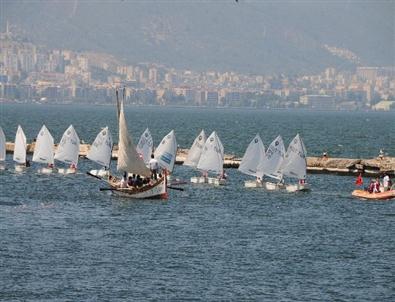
(269, 37)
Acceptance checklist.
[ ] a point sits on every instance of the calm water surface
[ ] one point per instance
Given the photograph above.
(61, 239)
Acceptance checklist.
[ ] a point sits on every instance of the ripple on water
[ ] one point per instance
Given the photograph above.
(63, 239)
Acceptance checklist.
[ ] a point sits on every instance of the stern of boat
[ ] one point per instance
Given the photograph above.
(216, 181)
(45, 170)
(252, 184)
(199, 180)
(291, 188)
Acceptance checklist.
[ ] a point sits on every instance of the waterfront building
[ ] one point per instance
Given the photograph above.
(319, 102)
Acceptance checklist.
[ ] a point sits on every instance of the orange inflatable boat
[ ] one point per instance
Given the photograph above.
(374, 196)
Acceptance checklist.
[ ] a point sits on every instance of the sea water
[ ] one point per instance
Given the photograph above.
(61, 239)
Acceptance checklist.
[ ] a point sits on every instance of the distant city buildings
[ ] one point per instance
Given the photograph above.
(34, 73)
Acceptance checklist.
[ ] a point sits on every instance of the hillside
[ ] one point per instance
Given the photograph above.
(248, 36)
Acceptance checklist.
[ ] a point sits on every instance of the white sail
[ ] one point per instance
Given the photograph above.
(128, 158)
(101, 148)
(2, 145)
(212, 158)
(20, 146)
(273, 159)
(145, 146)
(69, 147)
(196, 150)
(253, 157)
(294, 164)
(166, 152)
(44, 147)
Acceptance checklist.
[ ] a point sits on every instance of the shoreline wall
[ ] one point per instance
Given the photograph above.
(341, 166)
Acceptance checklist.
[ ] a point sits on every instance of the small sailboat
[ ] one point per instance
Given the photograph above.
(20, 150)
(271, 164)
(194, 154)
(212, 160)
(68, 150)
(195, 151)
(2, 149)
(166, 152)
(145, 146)
(130, 162)
(44, 150)
(252, 159)
(295, 165)
(101, 152)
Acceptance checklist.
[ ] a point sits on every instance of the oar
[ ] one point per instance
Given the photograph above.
(175, 188)
(108, 189)
(95, 176)
(115, 189)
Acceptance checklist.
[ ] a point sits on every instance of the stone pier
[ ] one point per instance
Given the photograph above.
(341, 166)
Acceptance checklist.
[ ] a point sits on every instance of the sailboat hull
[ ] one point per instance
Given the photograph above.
(199, 180)
(100, 173)
(291, 188)
(67, 171)
(253, 184)
(271, 186)
(216, 181)
(208, 180)
(20, 168)
(156, 191)
(45, 171)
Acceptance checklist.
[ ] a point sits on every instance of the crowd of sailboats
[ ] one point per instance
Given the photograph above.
(44, 150)
(272, 168)
(207, 156)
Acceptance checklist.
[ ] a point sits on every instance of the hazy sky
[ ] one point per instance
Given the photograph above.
(252, 36)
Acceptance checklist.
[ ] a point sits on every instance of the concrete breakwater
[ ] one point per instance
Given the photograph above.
(340, 166)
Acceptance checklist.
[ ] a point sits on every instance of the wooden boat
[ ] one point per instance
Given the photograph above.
(158, 190)
(374, 196)
(130, 162)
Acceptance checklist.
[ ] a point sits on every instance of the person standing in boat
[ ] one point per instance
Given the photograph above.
(154, 167)
(376, 188)
(124, 181)
(371, 186)
(386, 182)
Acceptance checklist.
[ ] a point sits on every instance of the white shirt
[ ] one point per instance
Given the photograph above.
(386, 181)
(153, 164)
(124, 183)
